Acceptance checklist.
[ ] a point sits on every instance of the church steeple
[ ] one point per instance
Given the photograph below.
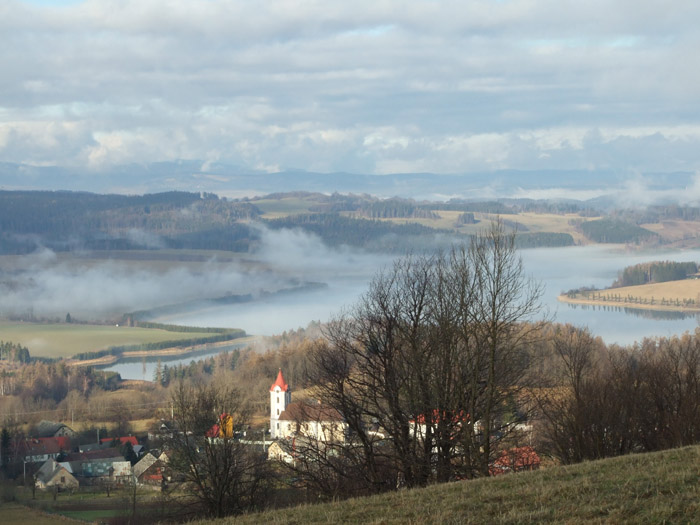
(280, 382)
(280, 397)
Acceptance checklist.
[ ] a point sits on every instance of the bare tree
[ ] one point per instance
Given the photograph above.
(223, 476)
(434, 355)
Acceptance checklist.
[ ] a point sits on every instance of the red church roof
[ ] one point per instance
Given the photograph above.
(280, 383)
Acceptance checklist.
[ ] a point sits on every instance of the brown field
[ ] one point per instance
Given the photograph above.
(650, 295)
(683, 232)
(534, 222)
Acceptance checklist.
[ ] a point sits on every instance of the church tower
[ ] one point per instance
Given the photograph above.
(280, 397)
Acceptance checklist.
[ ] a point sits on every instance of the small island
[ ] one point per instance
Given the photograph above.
(658, 285)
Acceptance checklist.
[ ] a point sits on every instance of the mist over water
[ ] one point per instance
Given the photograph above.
(557, 269)
(49, 286)
(347, 275)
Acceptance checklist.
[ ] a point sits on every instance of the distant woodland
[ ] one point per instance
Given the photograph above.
(655, 272)
(70, 221)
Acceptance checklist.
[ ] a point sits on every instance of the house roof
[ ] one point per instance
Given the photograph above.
(41, 446)
(280, 382)
(92, 455)
(49, 428)
(122, 440)
(145, 462)
(306, 412)
(46, 470)
(439, 416)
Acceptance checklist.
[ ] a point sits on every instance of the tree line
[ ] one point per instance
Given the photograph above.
(655, 272)
(607, 401)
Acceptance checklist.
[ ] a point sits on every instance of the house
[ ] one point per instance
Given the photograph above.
(46, 429)
(150, 471)
(99, 466)
(53, 474)
(36, 450)
(143, 464)
(122, 440)
(312, 421)
(282, 450)
(515, 460)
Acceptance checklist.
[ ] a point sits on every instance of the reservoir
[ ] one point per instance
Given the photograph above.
(556, 269)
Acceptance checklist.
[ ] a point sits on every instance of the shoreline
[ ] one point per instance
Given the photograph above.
(638, 306)
(163, 352)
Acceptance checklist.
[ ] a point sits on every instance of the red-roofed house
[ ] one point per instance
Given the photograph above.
(515, 460)
(41, 449)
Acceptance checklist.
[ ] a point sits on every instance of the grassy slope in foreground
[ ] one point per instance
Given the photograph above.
(686, 289)
(65, 340)
(643, 488)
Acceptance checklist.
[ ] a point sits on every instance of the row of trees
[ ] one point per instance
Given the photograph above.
(602, 402)
(655, 272)
(14, 352)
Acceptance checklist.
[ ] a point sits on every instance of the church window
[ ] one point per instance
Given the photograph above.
(278, 400)
(278, 411)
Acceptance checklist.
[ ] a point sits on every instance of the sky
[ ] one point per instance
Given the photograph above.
(375, 87)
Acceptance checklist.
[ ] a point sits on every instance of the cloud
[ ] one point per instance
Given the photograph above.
(371, 86)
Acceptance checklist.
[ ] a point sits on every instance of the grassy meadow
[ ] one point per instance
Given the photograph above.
(67, 339)
(661, 487)
(277, 208)
(14, 513)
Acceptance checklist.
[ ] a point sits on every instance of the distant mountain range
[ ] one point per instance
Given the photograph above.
(234, 181)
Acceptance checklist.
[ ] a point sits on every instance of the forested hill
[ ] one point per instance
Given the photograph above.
(70, 221)
(74, 220)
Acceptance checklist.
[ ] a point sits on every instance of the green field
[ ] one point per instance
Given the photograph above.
(661, 487)
(276, 208)
(65, 340)
(13, 513)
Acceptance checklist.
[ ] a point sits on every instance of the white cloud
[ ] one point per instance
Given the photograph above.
(374, 86)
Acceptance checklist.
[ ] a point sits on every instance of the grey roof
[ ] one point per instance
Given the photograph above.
(49, 428)
(47, 469)
(145, 462)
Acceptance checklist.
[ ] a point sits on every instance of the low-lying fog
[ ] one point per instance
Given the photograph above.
(51, 286)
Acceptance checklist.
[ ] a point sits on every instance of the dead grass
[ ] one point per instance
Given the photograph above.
(660, 487)
(671, 231)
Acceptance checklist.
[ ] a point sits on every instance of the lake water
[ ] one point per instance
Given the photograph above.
(558, 269)
(145, 368)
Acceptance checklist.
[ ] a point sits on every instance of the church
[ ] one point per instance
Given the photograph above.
(312, 421)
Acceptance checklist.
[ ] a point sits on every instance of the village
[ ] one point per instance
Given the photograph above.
(51, 460)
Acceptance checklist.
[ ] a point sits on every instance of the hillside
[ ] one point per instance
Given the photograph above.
(645, 488)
